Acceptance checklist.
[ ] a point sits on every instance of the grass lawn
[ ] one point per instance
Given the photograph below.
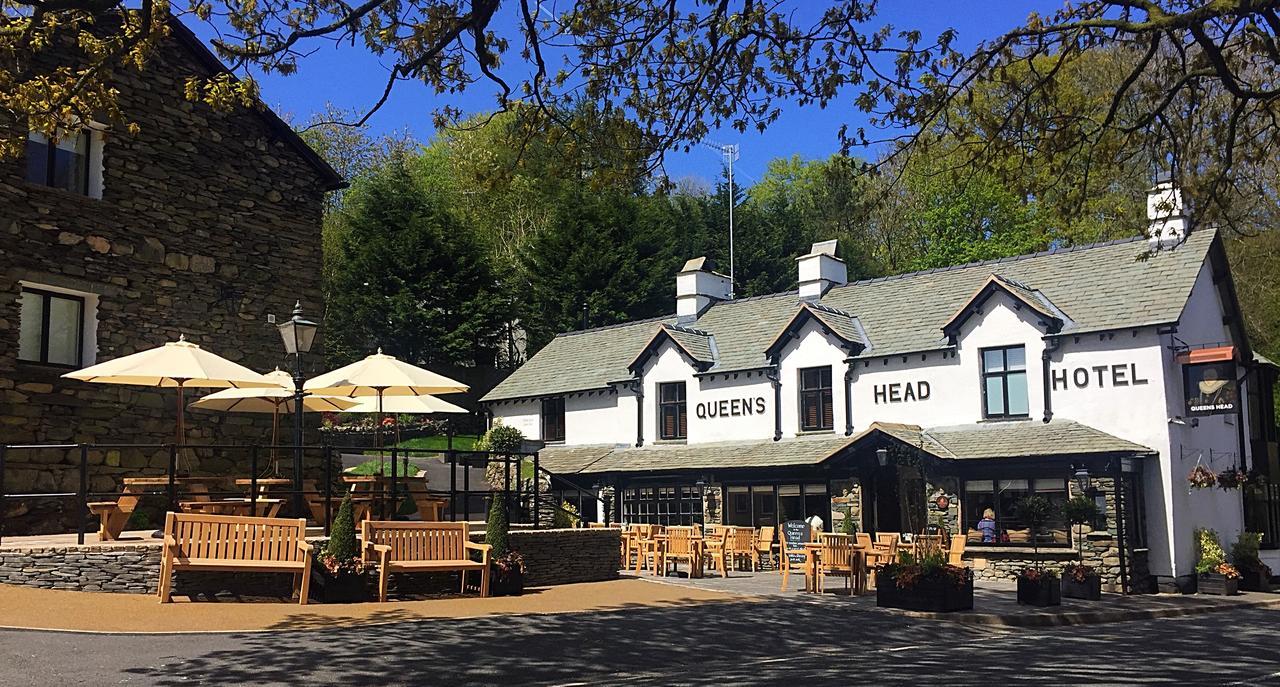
(461, 442)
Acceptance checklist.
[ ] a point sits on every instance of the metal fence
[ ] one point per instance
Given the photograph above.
(463, 479)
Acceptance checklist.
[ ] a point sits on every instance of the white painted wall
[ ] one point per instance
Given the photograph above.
(525, 416)
(720, 392)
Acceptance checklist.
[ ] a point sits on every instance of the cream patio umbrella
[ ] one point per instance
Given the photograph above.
(404, 405)
(177, 364)
(271, 400)
(381, 375)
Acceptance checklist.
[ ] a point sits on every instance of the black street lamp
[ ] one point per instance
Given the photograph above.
(298, 334)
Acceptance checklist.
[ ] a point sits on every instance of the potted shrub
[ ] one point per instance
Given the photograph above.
(341, 575)
(1080, 581)
(506, 567)
(1255, 576)
(1037, 586)
(1214, 575)
(926, 583)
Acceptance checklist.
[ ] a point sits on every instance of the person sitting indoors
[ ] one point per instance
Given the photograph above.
(987, 525)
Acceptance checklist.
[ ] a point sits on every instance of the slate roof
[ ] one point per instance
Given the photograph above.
(695, 344)
(961, 442)
(1100, 287)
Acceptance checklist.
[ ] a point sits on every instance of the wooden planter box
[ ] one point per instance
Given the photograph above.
(505, 581)
(1217, 584)
(341, 589)
(937, 596)
(1254, 581)
(1046, 592)
(1090, 589)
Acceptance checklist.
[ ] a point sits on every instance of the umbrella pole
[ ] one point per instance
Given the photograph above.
(275, 438)
(182, 428)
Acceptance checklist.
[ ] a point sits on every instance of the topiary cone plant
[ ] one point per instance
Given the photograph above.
(495, 533)
(1080, 510)
(343, 570)
(1035, 512)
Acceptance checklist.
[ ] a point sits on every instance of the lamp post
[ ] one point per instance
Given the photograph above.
(298, 334)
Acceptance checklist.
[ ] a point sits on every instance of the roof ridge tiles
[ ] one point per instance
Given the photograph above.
(616, 325)
(995, 261)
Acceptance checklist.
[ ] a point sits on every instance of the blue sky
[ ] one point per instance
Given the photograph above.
(351, 78)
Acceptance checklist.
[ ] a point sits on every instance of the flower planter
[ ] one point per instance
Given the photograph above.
(941, 596)
(1254, 581)
(1047, 591)
(343, 588)
(1090, 589)
(1217, 584)
(505, 580)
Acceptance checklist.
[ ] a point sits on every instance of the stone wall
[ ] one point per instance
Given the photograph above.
(551, 556)
(566, 556)
(208, 222)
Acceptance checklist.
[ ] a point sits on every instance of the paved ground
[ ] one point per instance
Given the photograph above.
(792, 639)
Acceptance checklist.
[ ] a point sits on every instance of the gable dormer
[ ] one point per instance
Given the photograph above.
(1048, 317)
(843, 326)
(695, 345)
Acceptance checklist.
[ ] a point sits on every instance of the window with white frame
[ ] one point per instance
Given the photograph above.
(71, 162)
(56, 326)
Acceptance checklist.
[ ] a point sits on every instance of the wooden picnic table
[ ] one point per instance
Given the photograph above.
(430, 507)
(262, 508)
(114, 515)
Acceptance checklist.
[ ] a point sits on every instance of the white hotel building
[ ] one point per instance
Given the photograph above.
(921, 400)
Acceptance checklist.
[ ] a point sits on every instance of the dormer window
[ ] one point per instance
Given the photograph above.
(815, 400)
(1004, 382)
(673, 411)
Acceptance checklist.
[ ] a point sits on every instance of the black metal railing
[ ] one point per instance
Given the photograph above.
(466, 491)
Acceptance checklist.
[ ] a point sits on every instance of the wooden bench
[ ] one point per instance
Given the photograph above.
(422, 547)
(230, 543)
(113, 516)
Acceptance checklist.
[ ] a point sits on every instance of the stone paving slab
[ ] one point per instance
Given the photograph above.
(995, 602)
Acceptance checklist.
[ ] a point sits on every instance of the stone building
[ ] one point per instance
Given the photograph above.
(201, 224)
(937, 399)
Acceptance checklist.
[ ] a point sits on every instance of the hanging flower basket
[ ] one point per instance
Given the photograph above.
(1232, 478)
(1201, 477)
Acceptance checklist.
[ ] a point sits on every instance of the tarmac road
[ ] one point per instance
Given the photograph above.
(770, 642)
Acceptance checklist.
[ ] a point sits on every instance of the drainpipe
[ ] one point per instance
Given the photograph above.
(774, 375)
(1050, 346)
(848, 396)
(638, 387)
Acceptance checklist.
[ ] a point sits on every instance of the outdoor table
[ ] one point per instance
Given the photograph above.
(266, 508)
(265, 492)
(813, 560)
(114, 515)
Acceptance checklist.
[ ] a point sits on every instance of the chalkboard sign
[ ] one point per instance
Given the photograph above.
(797, 534)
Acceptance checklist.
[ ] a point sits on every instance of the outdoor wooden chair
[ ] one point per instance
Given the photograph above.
(955, 552)
(679, 543)
(717, 550)
(422, 547)
(879, 555)
(927, 543)
(229, 543)
(642, 542)
(762, 549)
(864, 540)
(742, 543)
(837, 558)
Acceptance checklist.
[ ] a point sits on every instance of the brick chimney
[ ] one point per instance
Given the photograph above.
(1166, 213)
(698, 286)
(820, 270)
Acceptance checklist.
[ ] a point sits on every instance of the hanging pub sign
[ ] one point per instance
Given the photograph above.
(1210, 387)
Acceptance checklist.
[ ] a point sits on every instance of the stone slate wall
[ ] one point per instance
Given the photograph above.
(208, 222)
(551, 556)
(566, 556)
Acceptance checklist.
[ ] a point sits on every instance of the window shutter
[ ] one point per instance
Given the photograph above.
(828, 422)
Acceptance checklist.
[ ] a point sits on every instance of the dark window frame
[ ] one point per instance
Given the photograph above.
(1003, 374)
(822, 394)
(46, 296)
(678, 407)
(552, 419)
(971, 519)
(51, 171)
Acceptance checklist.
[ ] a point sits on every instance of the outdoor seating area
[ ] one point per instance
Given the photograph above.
(693, 551)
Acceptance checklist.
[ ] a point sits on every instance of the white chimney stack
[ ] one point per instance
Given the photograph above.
(820, 270)
(1167, 215)
(698, 285)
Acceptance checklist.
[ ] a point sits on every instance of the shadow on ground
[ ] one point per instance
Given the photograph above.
(770, 641)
